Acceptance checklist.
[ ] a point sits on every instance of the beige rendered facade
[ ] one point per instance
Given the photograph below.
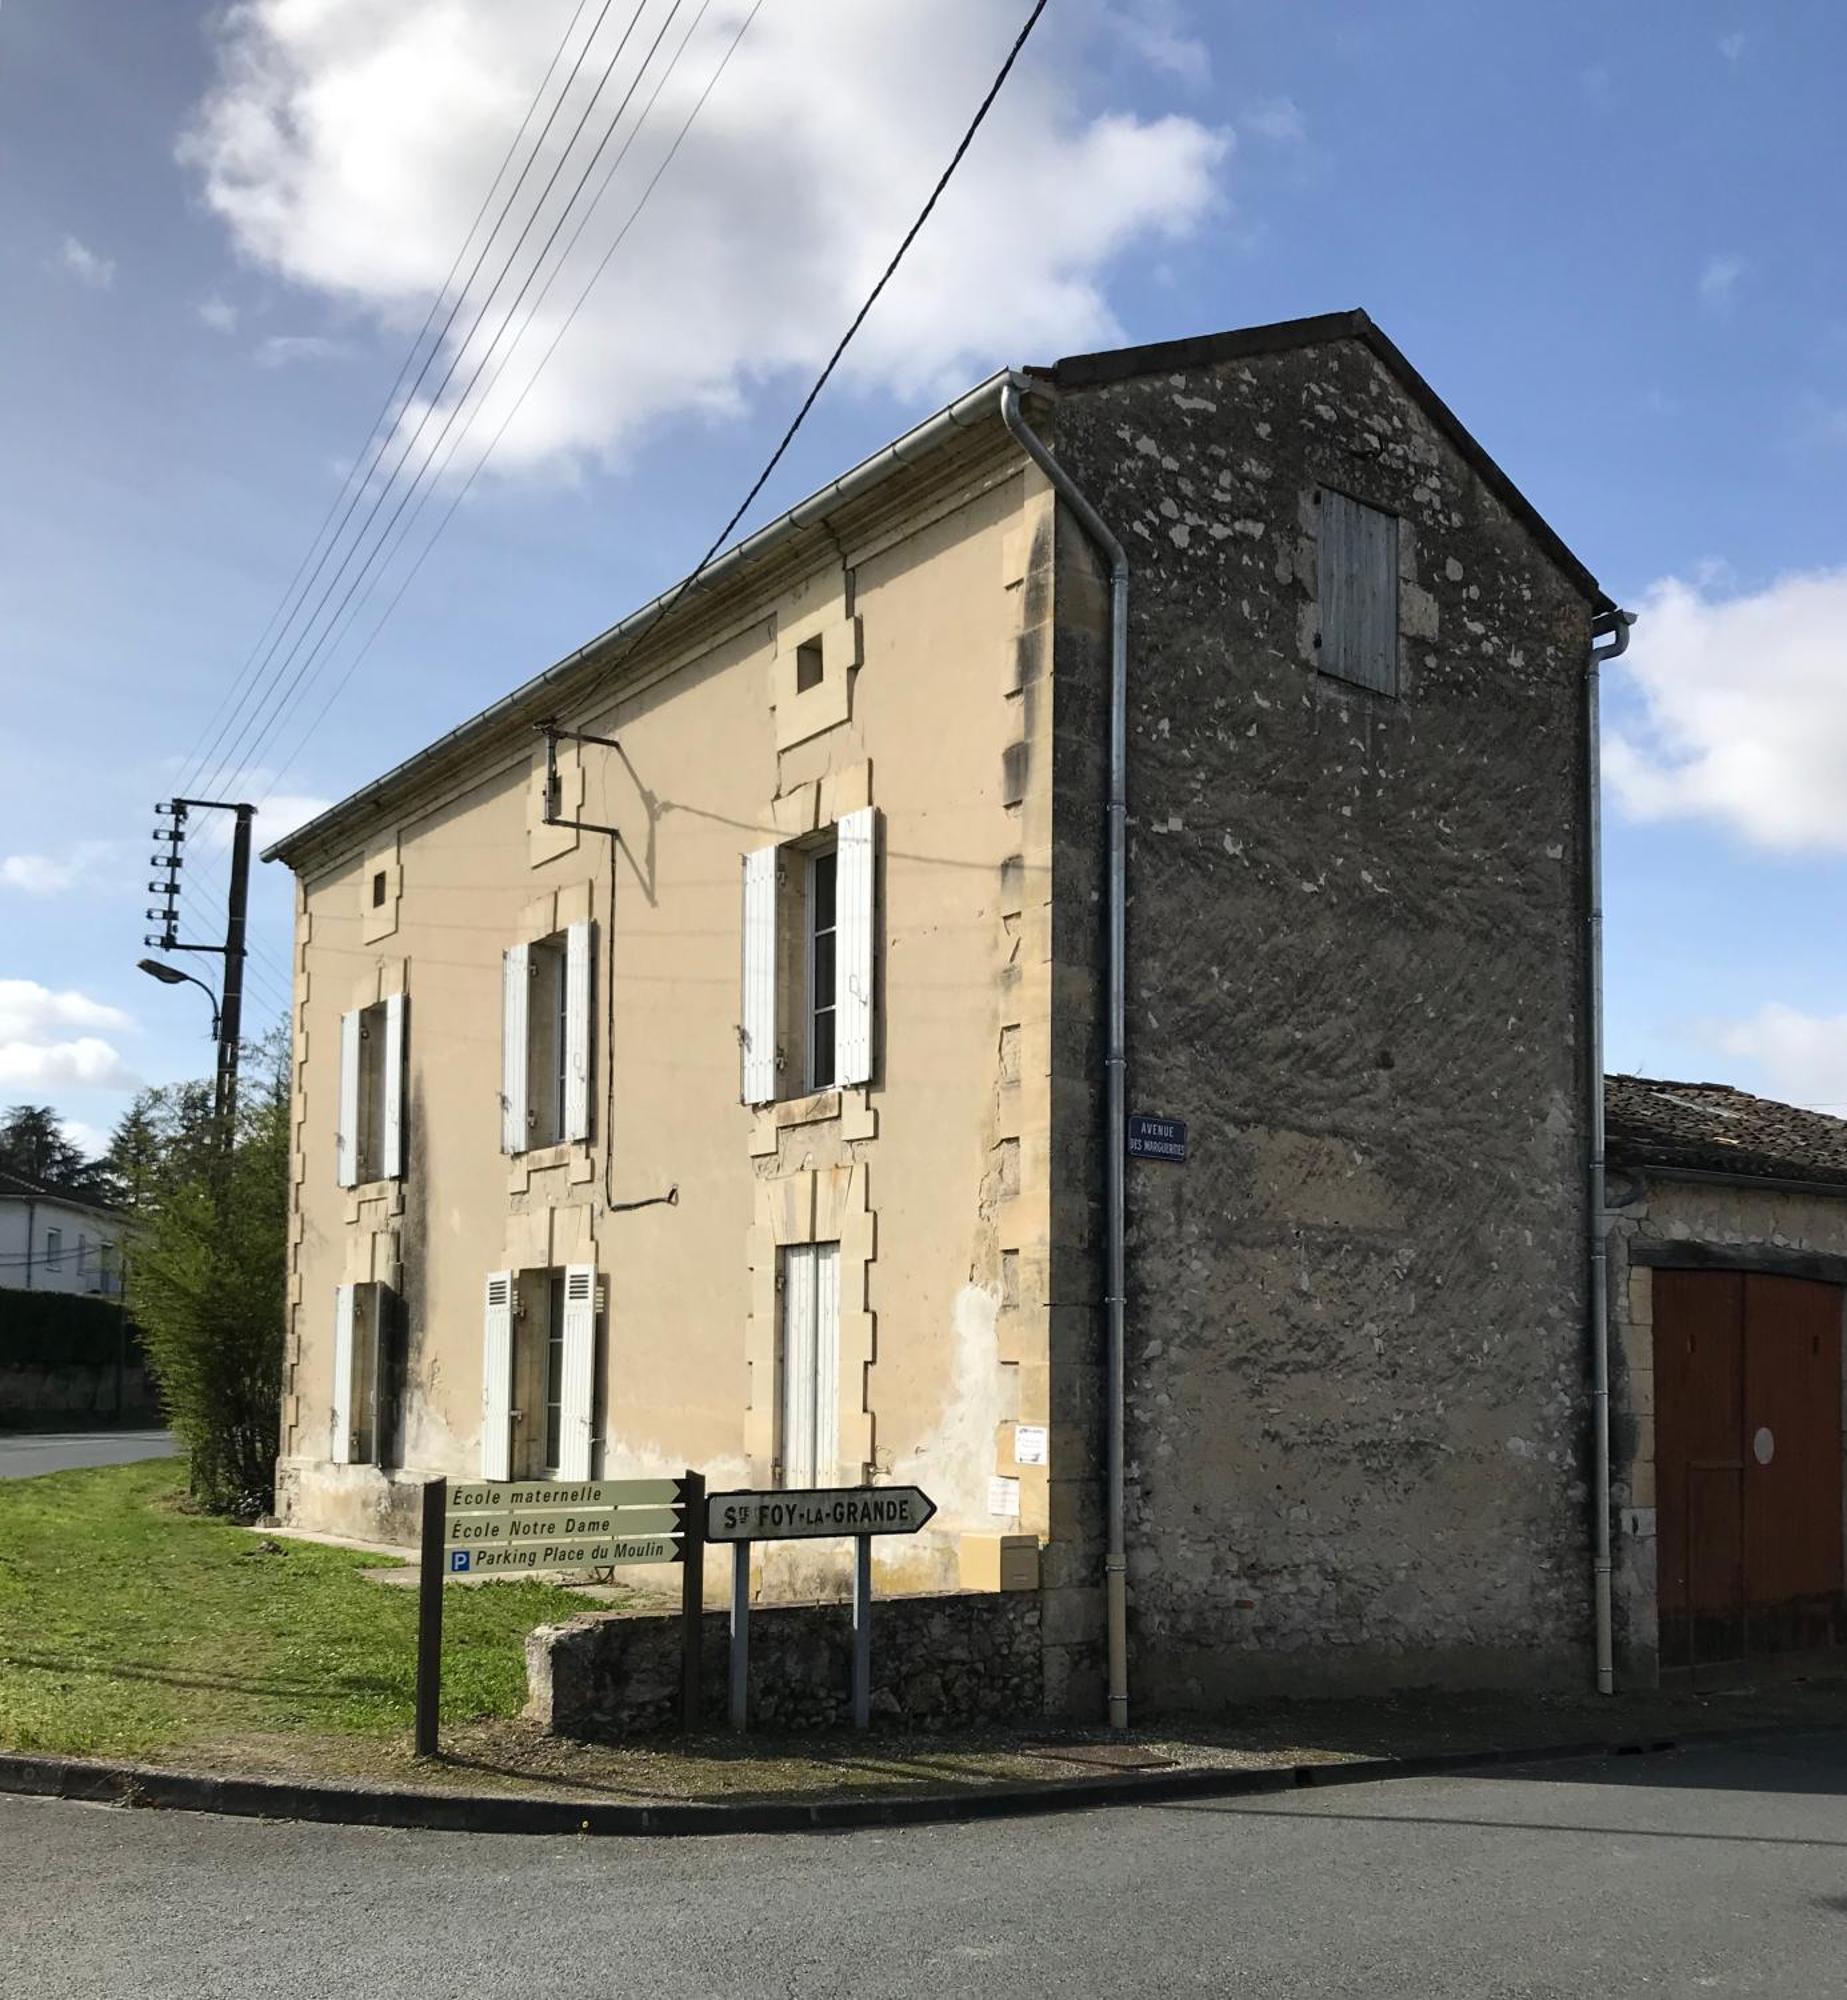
(853, 702)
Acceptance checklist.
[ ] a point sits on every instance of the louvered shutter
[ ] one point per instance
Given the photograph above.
(577, 1383)
(759, 996)
(340, 1440)
(391, 1149)
(346, 1136)
(516, 998)
(579, 958)
(497, 1378)
(855, 893)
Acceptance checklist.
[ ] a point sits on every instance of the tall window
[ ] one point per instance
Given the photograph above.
(545, 1079)
(370, 1132)
(822, 1009)
(54, 1249)
(554, 1374)
(809, 1450)
(368, 1376)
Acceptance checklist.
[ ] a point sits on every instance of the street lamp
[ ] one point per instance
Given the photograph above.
(171, 975)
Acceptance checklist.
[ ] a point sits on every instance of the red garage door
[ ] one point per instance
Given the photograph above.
(1747, 1467)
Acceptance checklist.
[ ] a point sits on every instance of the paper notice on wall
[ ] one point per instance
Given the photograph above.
(1004, 1498)
(1029, 1443)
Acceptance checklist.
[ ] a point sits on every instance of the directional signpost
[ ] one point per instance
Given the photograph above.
(810, 1514)
(519, 1526)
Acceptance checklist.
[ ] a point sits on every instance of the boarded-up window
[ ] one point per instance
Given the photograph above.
(1357, 593)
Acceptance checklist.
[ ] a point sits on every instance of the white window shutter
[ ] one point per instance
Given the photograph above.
(340, 1440)
(516, 1000)
(577, 1386)
(798, 1358)
(854, 946)
(346, 1134)
(497, 1378)
(826, 1363)
(759, 996)
(579, 959)
(391, 1150)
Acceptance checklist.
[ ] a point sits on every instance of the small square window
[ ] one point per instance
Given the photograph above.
(378, 890)
(810, 665)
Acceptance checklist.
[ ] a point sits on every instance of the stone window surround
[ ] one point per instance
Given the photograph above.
(823, 1205)
(380, 920)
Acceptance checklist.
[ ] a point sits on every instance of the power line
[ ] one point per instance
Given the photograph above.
(462, 347)
(380, 427)
(506, 422)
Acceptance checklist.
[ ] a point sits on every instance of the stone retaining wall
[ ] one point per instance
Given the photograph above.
(937, 1663)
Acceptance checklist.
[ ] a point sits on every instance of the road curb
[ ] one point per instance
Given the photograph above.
(148, 1788)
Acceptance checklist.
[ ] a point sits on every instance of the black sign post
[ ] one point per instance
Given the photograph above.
(692, 1594)
(430, 1616)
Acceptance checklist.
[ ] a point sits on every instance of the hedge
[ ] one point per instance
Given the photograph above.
(62, 1330)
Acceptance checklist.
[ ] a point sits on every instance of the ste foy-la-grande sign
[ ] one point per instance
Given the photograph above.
(801, 1514)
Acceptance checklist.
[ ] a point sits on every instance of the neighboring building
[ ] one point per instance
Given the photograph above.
(51, 1241)
(830, 839)
(1728, 1273)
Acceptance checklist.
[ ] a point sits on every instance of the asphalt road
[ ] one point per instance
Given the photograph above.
(1713, 1872)
(24, 1453)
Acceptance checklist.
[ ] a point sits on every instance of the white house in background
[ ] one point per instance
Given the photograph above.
(56, 1242)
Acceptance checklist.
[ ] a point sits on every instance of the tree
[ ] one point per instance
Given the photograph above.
(207, 1279)
(33, 1142)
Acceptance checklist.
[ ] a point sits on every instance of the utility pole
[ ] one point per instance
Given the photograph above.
(230, 1007)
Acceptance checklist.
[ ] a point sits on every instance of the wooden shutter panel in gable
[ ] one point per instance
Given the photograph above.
(758, 1023)
(579, 960)
(340, 1438)
(391, 1150)
(497, 1378)
(346, 1135)
(577, 1387)
(1357, 592)
(516, 999)
(855, 946)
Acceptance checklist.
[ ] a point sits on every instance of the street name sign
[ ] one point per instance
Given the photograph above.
(801, 1514)
(477, 1496)
(1157, 1138)
(503, 1525)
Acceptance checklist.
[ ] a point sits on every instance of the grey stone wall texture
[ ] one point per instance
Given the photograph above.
(937, 1663)
(1357, 1377)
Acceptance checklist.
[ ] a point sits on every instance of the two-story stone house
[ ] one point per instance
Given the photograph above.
(704, 1055)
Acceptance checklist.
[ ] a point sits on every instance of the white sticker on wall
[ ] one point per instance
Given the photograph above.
(1029, 1442)
(1763, 1446)
(1004, 1498)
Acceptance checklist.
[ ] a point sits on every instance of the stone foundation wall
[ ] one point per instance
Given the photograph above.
(937, 1663)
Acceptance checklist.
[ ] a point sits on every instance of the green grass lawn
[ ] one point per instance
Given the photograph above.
(129, 1627)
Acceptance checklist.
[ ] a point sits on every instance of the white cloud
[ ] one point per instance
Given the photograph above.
(1718, 279)
(1803, 1057)
(280, 349)
(91, 1139)
(219, 314)
(1731, 47)
(86, 266)
(43, 1044)
(347, 148)
(285, 812)
(49, 875)
(1280, 121)
(1743, 710)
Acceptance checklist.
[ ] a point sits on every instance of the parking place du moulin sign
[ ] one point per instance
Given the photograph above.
(797, 1514)
(1157, 1138)
(549, 1524)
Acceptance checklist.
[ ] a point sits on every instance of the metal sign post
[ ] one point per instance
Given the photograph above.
(692, 1598)
(862, 1632)
(430, 1616)
(810, 1514)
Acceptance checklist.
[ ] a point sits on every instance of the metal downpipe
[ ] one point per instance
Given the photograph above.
(1115, 1562)
(1614, 626)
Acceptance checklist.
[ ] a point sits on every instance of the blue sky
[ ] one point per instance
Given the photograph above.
(1613, 239)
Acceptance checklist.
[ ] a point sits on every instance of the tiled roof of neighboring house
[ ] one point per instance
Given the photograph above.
(1712, 1128)
(19, 1187)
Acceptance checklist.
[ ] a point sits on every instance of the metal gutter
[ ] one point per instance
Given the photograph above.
(1711, 1176)
(1612, 625)
(965, 413)
(1115, 1560)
